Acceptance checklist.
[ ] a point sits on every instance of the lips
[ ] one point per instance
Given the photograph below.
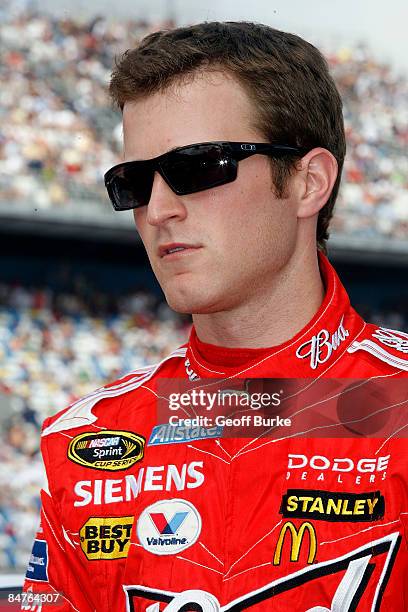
(176, 247)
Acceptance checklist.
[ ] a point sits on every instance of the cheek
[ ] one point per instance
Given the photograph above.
(146, 232)
(257, 226)
(139, 215)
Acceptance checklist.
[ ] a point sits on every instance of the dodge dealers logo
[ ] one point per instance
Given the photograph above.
(168, 526)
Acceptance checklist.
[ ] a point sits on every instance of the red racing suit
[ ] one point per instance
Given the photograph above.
(139, 515)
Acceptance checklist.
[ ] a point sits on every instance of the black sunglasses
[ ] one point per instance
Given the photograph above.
(186, 170)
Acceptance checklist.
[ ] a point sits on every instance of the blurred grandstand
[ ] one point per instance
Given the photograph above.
(62, 335)
(53, 348)
(59, 133)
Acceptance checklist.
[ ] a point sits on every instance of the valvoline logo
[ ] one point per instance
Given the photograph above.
(163, 526)
(168, 526)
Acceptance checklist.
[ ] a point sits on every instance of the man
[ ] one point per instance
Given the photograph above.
(233, 150)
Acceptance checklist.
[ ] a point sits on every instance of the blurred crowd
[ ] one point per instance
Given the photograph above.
(373, 199)
(59, 132)
(55, 347)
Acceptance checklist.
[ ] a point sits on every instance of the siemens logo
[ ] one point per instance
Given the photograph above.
(151, 478)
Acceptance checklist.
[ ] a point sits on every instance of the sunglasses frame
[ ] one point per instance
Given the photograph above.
(234, 151)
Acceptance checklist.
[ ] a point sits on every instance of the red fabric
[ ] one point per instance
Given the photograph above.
(349, 546)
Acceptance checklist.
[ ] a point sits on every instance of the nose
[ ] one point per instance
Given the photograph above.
(164, 204)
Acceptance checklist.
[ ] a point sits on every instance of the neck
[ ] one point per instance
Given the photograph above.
(272, 314)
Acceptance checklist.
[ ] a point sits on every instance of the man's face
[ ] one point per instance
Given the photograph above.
(240, 235)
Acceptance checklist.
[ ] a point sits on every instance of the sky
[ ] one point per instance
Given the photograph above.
(380, 23)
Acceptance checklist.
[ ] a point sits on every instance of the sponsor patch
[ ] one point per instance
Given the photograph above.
(342, 464)
(329, 506)
(106, 537)
(396, 341)
(392, 338)
(296, 536)
(360, 578)
(107, 450)
(177, 434)
(169, 526)
(341, 470)
(320, 347)
(151, 478)
(189, 371)
(38, 563)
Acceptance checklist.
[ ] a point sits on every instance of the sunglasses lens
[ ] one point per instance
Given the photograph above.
(197, 168)
(187, 170)
(129, 185)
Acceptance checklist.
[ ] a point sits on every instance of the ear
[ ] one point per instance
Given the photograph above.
(317, 175)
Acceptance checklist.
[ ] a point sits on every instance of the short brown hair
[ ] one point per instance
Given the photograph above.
(287, 79)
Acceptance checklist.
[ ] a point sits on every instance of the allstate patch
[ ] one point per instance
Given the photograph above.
(38, 563)
(177, 434)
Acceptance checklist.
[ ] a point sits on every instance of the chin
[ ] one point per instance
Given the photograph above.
(189, 304)
(185, 306)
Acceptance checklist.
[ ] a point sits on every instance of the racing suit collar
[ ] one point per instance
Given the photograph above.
(312, 351)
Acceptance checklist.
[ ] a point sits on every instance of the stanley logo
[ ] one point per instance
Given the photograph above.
(106, 537)
(328, 506)
(296, 539)
(107, 450)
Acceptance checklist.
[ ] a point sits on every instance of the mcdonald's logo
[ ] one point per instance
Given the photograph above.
(296, 536)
